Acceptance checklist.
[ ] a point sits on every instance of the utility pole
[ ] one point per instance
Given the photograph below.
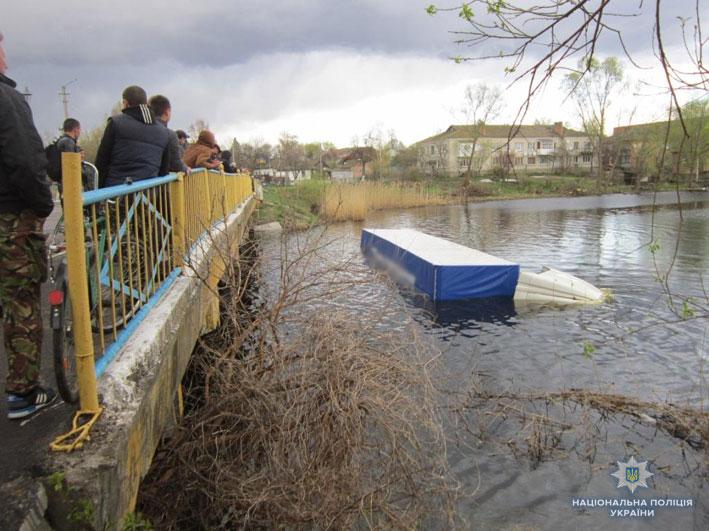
(321, 168)
(234, 143)
(27, 95)
(65, 98)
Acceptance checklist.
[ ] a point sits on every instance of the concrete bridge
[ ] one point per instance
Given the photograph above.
(140, 301)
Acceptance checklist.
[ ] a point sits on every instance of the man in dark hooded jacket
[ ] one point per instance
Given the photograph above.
(25, 201)
(134, 145)
(163, 112)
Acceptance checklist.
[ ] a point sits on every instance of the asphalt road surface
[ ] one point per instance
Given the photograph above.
(25, 453)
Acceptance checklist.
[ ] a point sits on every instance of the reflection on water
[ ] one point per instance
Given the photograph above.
(461, 315)
(642, 348)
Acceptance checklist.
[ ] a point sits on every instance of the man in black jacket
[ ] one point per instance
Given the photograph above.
(25, 201)
(69, 143)
(163, 112)
(134, 144)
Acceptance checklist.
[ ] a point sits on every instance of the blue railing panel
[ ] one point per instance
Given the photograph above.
(103, 194)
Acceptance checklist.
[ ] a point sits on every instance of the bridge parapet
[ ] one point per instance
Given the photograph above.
(153, 253)
(126, 245)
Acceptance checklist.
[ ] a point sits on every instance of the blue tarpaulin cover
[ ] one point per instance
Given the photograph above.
(443, 269)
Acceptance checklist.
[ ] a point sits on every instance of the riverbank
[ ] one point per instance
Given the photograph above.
(309, 203)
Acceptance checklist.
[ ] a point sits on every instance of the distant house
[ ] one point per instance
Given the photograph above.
(341, 175)
(638, 150)
(533, 148)
(634, 150)
(273, 176)
(355, 160)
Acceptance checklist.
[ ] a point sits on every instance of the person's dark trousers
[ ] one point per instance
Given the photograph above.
(23, 268)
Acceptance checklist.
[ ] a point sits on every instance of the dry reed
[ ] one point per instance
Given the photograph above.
(545, 418)
(353, 201)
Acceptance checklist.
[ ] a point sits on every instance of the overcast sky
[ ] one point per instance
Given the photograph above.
(320, 69)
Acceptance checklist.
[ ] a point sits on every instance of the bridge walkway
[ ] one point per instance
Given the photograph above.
(194, 225)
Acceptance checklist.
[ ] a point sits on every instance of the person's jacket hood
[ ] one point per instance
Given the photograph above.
(206, 138)
(142, 113)
(7, 81)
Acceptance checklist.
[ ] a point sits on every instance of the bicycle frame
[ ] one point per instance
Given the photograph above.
(102, 253)
(58, 273)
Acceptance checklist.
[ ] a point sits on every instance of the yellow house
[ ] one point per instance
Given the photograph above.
(524, 148)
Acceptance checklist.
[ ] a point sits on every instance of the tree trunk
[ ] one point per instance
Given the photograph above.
(599, 168)
(469, 171)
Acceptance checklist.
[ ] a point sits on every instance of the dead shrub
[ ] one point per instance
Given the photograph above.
(325, 421)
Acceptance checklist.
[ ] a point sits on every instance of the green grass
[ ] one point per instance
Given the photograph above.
(293, 207)
(526, 186)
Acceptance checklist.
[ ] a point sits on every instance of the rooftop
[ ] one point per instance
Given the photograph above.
(637, 130)
(503, 131)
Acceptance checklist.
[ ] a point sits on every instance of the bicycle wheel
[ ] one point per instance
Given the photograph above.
(117, 301)
(64, 353)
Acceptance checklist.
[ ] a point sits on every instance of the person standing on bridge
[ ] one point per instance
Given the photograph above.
(163, 111)
(134, 145)
(69, 143)
(201, 154)
(182, 138)
(25, 201)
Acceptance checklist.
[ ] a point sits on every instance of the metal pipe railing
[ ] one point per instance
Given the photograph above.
(125, 246)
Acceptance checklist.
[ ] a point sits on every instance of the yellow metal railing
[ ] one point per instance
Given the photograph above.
(211, 196)
(125, 246)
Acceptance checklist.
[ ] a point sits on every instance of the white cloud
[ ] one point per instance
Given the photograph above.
(323, 95)
(337, 95)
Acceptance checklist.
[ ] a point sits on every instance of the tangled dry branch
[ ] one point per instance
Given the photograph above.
(687, 424)
(318, 421)
(541, 38)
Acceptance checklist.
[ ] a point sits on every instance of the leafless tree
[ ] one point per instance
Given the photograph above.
(593, 94)
(539, 38)
(482, 103)
(376, 139)
(442, 152)
(291, 154)
(199, 125)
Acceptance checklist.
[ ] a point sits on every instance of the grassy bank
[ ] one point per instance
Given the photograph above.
(294, 207)
(311, 202)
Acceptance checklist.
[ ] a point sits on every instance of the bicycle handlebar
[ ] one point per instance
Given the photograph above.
(94, 169)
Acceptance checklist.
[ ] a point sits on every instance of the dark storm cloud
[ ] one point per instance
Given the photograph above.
(215, 32)
(224, 32)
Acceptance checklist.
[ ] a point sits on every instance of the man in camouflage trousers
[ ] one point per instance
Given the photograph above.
(25, 201)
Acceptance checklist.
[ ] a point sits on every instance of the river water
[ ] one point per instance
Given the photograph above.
(647, 344)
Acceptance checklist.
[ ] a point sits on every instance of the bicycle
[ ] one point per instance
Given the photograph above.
(110, 276)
